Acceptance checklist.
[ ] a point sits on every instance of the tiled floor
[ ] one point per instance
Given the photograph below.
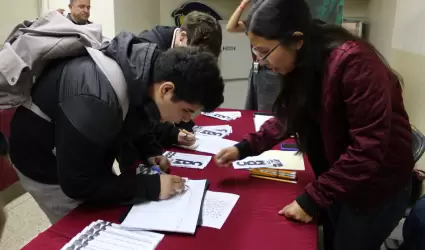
(24, 221)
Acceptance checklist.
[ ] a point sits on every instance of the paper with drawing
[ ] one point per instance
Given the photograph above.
(216, 208)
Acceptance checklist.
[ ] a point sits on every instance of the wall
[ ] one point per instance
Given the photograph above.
(14, 12)
(408, 58)
(380, 25)
(136, 15)
(356, 8)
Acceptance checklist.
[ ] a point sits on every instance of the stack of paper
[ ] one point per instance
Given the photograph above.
(210, 144)
(275, 159)
(108, 236)
(218, 131)
(224, 115)
(187, 160)
(179, 214)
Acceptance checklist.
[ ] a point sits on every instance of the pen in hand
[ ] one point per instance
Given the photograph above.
(157, 169)
(188, 135)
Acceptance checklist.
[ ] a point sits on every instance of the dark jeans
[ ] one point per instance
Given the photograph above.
(414, 228)
(356, 230)
(264, 87)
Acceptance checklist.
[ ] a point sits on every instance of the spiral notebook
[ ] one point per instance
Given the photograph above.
(179, 214)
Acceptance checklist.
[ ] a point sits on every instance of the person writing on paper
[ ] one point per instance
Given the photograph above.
(345, 106)
(201, 30)
(69, 161)
(264, 84)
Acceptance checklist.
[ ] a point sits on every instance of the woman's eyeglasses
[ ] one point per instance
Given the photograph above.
(264, 57)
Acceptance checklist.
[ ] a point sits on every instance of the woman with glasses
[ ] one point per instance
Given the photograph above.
(344, 105)
(264, 84)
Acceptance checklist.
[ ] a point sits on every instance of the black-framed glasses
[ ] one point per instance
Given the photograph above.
(264, 58)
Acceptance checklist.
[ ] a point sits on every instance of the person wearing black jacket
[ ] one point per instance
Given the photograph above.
(199, 29)
(69, 161)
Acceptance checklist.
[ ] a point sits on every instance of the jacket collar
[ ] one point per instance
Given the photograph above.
(136, 59)
(75, 22)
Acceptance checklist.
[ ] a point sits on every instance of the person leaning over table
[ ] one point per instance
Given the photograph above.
(69, 161)
(201, 30)
(345, 106)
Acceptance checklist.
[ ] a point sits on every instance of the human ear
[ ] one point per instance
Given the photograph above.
(183, 39)
(300, 42)
(166, 88)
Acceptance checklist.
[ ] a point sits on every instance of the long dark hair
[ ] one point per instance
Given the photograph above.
(299, 99)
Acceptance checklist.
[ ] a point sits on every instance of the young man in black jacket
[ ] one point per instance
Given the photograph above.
(201, 30)
(69, 160)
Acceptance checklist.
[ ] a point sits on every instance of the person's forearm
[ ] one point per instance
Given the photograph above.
(234, 24)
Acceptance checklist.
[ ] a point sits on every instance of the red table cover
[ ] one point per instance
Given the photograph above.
(252, 225)
(8, 175)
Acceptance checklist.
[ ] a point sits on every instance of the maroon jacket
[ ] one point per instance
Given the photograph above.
(366, 133)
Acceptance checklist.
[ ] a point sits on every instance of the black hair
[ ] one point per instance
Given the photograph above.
(203, 30)
(299, 99)
(195, 75)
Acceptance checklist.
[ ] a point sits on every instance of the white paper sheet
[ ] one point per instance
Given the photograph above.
(258, 162)
(216, 208)
(210, 144)
(218, 131)
(178, 214)
(291, 160)
(224, 115)
(187, 160)
(275, 159)
(259, 120)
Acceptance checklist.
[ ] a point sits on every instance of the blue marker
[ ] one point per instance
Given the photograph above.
(157, 169)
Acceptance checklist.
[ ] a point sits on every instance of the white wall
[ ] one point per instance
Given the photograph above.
(355, 8)
(380, 25)
(409, 25)
(14, 12)
(136, 15)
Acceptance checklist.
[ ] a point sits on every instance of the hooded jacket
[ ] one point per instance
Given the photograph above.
(78, 148)
(163, 36)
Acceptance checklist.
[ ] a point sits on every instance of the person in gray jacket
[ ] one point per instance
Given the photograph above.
(69, 161)
(264, 84)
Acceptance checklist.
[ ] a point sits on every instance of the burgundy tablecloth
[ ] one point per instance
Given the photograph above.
(252, 225)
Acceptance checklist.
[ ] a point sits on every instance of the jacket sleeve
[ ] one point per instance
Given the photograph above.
(166, 134)
(366, 93)
(85, 130)
(147, 146)
(271, 132)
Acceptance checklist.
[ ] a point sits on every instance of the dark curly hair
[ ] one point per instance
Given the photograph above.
(195, 74)
(203, 30)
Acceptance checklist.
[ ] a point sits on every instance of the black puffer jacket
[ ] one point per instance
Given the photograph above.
(88, 132)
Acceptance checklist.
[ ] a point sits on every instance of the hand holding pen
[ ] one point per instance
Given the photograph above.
(186, 138)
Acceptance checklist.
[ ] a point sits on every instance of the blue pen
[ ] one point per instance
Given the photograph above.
(157, 169)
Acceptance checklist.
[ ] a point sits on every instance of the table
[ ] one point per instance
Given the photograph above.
(253, 224)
